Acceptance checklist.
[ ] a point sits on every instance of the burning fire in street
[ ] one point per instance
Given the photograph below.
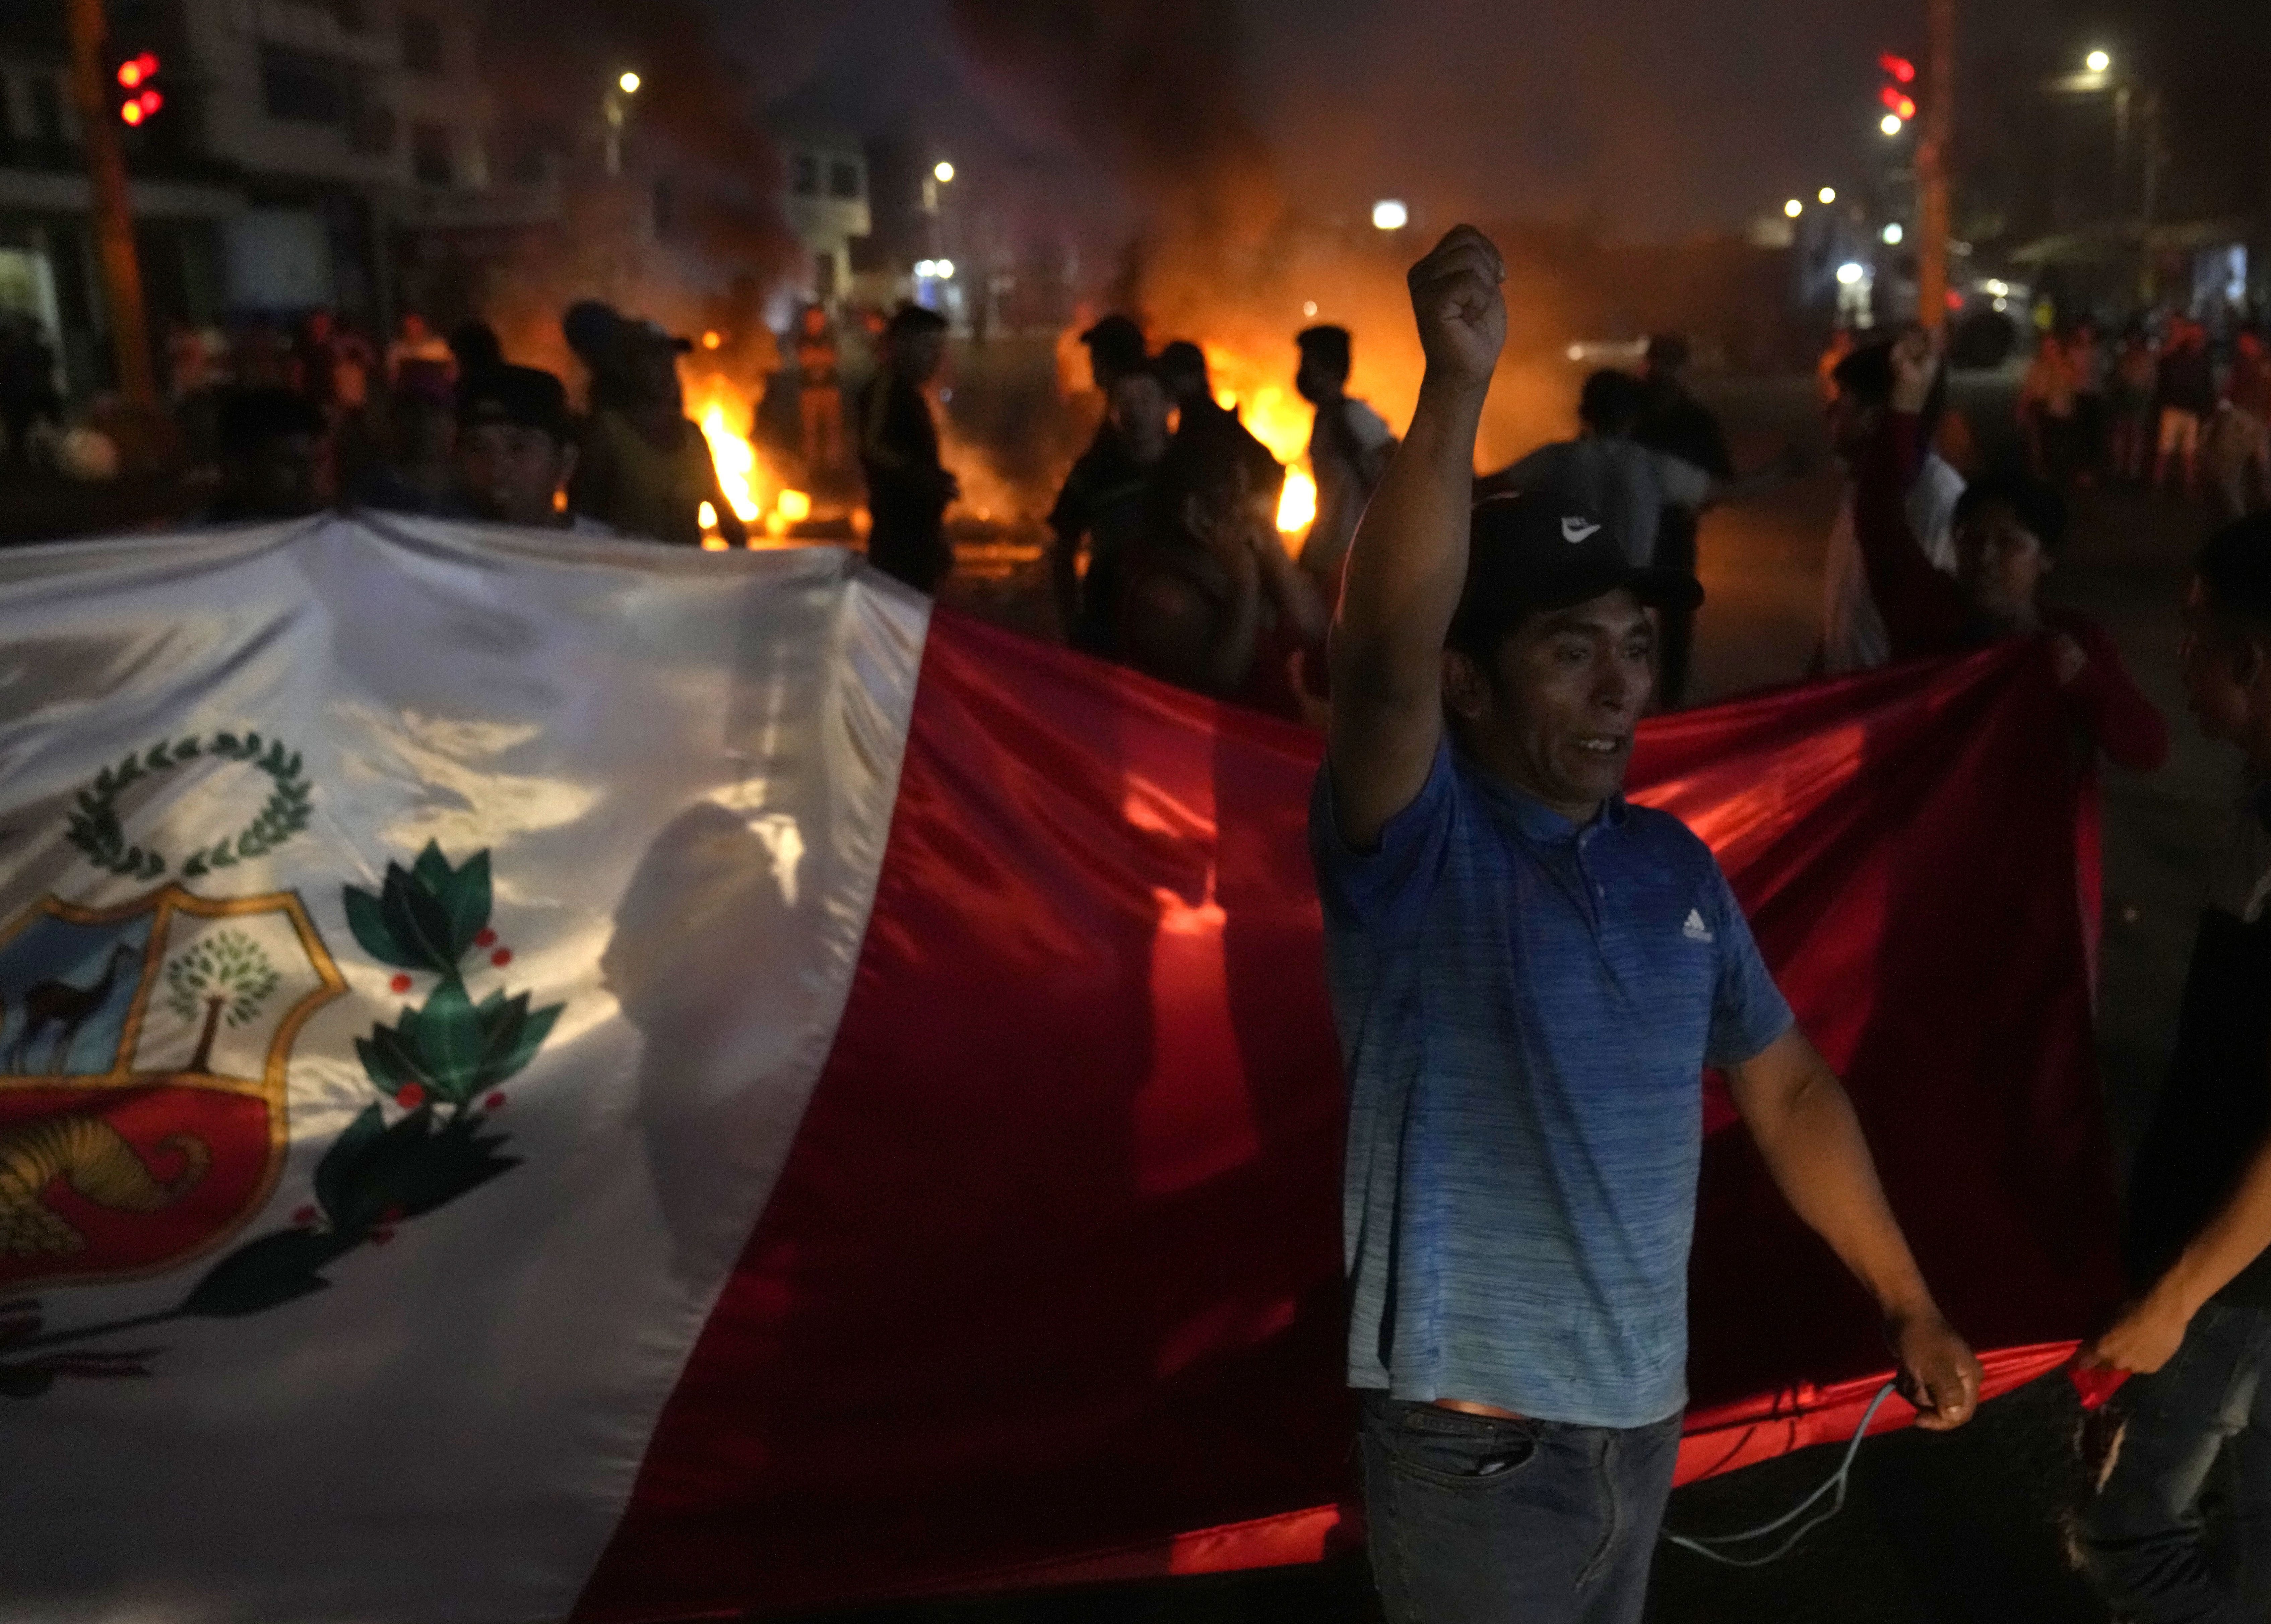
(1279, 419)
(743, 478)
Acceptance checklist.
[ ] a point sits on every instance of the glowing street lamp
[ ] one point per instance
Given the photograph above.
(1793, 208)
(945, 269)
(1892, 233)
(2098, 61)
(943, 171)
(1828, 195)
(1892, 123)
(1390, 214)
(926, 267)
(1851, 272)
(629, 84)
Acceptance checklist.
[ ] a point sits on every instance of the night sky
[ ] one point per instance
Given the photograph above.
(1652, 119)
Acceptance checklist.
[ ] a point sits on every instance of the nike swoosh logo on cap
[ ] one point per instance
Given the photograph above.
(1575, 530)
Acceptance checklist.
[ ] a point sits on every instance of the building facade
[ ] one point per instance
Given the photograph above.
(298, 144)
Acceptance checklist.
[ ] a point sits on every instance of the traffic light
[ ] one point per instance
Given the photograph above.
(137, 77)
(1899, 74)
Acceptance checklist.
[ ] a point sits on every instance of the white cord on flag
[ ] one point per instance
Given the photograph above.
(1703, 1545)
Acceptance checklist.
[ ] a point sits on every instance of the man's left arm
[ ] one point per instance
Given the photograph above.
(1808, 1132)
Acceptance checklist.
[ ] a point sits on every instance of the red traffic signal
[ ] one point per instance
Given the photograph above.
(1900, 68)
(138, 75)
(1900, 106)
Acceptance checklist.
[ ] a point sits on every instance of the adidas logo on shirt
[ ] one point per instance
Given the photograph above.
(1695, 929)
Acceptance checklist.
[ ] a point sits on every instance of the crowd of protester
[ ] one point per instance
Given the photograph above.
(1498, 640)
(2155, 405)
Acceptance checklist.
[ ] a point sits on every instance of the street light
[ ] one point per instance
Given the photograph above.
(629, 84)
(1390, 214)
(1892, 233)
(1828, 195)
(1892, 123)
(946, 270)
(2098, 61)
(1851, 272)
(944, 171)
(926, 267)
(1793, 208)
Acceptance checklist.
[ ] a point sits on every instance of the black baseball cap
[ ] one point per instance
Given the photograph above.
(1532, 551)
(526, 395)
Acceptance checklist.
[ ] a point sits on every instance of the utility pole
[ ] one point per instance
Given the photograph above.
(114, 219)
(1932, 145)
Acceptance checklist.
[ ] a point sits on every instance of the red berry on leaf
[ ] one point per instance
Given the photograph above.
(488, 938)
(392, 1215)
(494, 1102)
(501, 957)
(400, 984)
(410, 1096)
(304, 1217)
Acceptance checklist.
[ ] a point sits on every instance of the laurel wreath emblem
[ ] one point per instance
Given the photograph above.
(97, 831)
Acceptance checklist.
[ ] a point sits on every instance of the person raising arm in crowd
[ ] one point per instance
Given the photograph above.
(2009, 529)
(1530, 975)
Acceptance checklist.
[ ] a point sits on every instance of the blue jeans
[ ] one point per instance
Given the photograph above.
(2142, 1534)
(1480, 1521)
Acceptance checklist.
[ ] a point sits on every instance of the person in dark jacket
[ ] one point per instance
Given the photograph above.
(2197, 1335)
(908, 486)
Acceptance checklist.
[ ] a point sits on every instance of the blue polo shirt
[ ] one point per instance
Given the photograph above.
(1525, 1010)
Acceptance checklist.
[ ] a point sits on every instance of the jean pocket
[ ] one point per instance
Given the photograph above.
(1446, 1448)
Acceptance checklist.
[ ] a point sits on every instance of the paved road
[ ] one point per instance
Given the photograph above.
(1960, 1530)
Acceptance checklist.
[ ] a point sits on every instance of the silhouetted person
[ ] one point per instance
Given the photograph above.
(2186, 392)
(908, 487)
(28, 387)
(275, 461)
(1350, 444)
(643, 469)
(413, 470)
(1208, 599)
(2191, 1420)
(1673, 421)
(475, 350)
(1216, 431)
(516, 450)
(820, 394)
(1853, 636)
(1104, 502)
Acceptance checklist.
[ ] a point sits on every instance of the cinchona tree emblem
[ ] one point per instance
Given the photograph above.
(223, 976)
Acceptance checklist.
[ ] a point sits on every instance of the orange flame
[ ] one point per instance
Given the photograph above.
(1280, 419)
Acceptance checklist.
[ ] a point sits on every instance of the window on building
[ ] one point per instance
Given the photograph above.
(47, 108)
(843, 179)
(421, 44)
(303, 89)
(804, 176)
(433, 157)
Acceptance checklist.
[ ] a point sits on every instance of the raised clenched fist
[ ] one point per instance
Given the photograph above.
(1456, 295)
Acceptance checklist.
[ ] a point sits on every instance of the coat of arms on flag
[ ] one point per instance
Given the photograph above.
(145, 1051)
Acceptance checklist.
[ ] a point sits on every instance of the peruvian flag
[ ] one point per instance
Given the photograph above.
(543, 1077)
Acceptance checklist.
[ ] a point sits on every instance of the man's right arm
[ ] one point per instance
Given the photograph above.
(1409, 559)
